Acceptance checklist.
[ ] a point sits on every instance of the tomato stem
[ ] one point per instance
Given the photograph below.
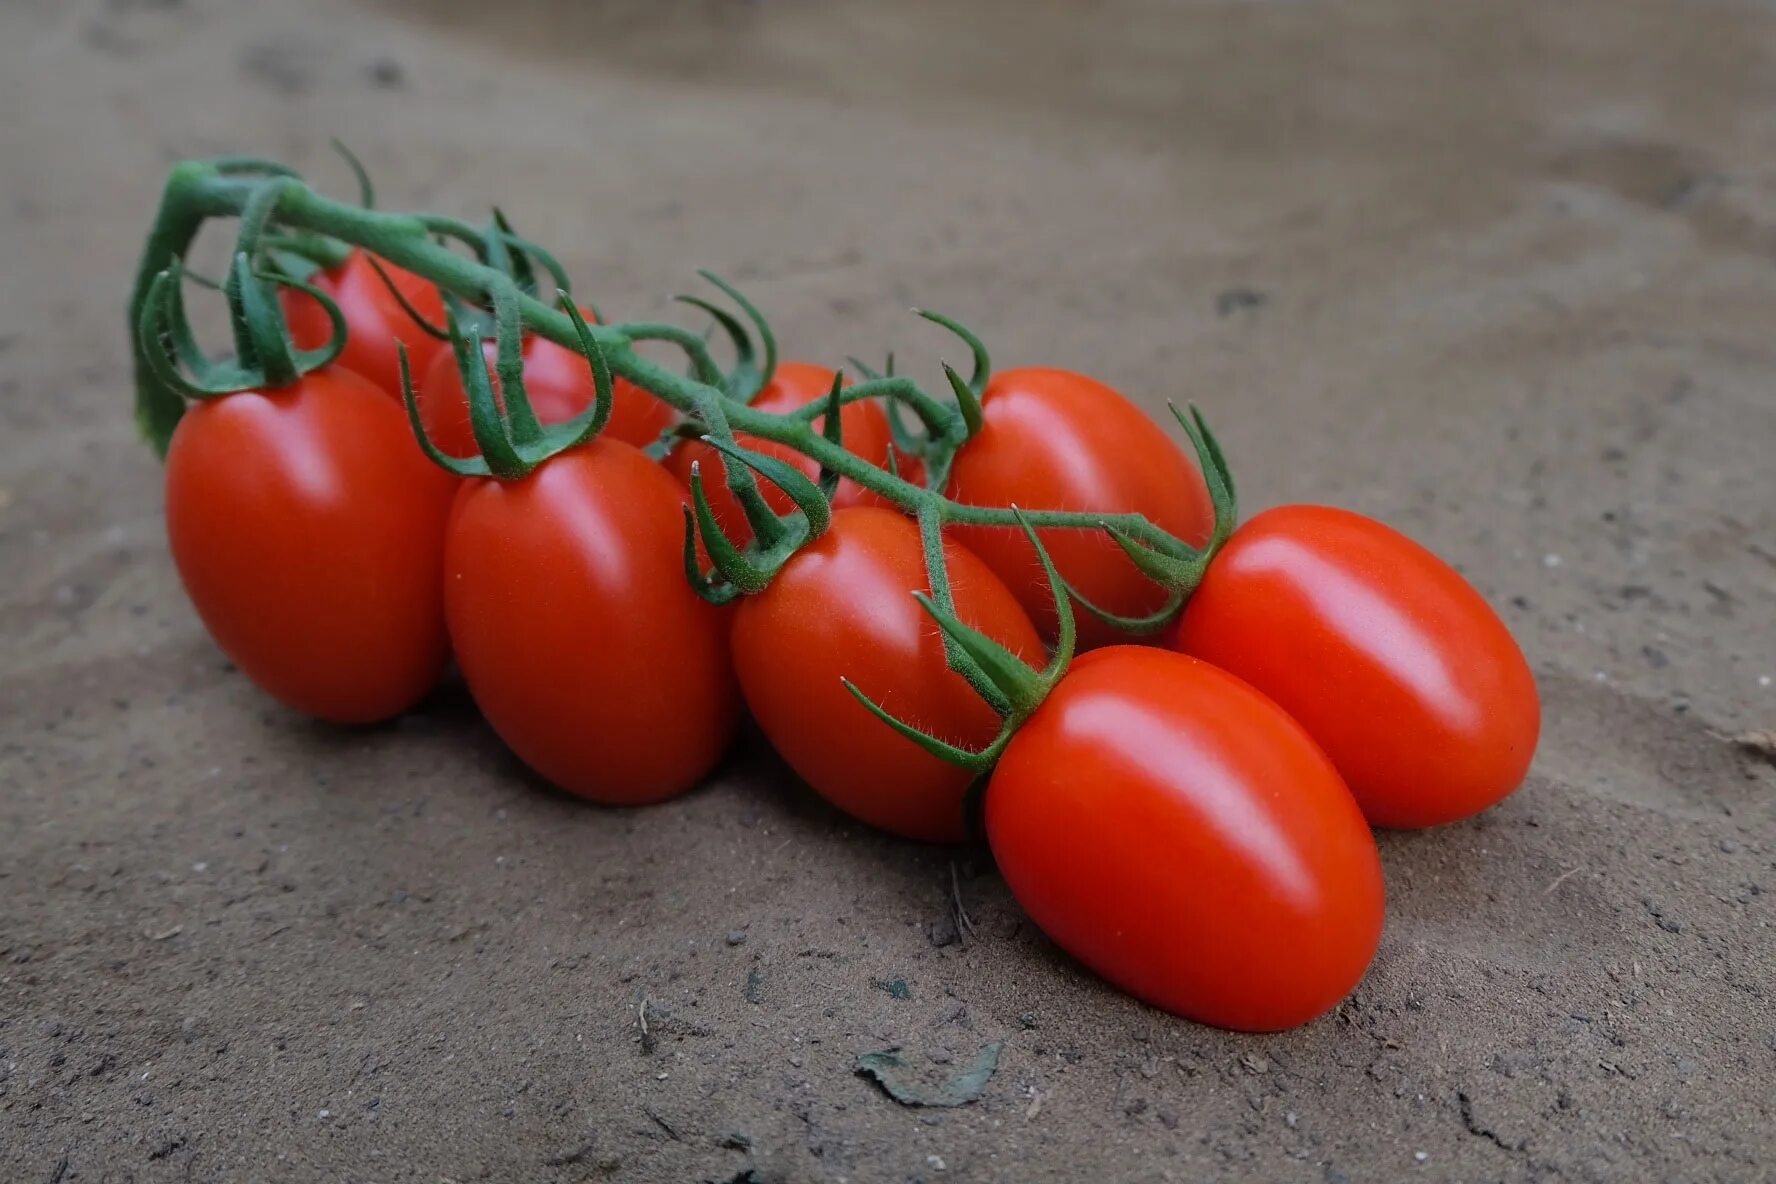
(282, 217)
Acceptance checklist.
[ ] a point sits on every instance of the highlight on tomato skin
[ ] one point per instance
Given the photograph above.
(1389, 658)
(375, 322)
(309, 532)
(577, 633)
(1060, 440)
(1180, 835)
(864, 432)
(841, 609)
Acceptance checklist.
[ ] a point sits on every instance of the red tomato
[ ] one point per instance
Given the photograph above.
(577, 633)
(1390, 659)
(309, 534)
(554, 372)
(864, 429)
(444, 405)
(1054, 440)
(1178, 833)
(842, 608)
(374, 319)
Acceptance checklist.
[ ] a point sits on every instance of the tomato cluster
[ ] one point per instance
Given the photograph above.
(1185, 806)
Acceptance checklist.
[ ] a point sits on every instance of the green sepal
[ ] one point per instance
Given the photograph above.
(982, 363)
(730, 562)
(259, 311)
(1217, 475)
(171, 352)
(591, 421)
(977, 762)
(1066, 628)
(1021, 686)
(1142, 626)
(534, 255)
(526, 431)
(512, 442)
(743, 383)
(413, 314)
(485, 420)
(462, 466)
(767, 339)
(967, 402)
(806, 494)
(832, 427)
(1162, 569)
(366, 190)
(715, 591)
(501, 258)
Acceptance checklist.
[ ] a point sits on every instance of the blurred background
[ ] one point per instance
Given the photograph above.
(1500, 274)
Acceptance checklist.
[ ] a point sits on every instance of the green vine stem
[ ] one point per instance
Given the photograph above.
(281, 209)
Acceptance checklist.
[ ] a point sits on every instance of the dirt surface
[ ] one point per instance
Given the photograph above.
(1503, 274)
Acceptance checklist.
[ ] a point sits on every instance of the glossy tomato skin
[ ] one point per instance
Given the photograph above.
(1390, 659)
(309, 534)
(1055, 440)
(1179, 834)
(374, 320)
(577, 632)
(843, 608)
(444, 404)
(863, 426)
(563, 377)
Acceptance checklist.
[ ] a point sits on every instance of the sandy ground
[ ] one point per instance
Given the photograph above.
(1498, 273)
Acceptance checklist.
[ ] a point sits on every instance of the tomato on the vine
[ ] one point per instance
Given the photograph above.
(576, 630)
(1052, 439)
(1391, 660)
(842, 609)
(374, 320)
(863, 428)
(309, 534)
(1178, 833)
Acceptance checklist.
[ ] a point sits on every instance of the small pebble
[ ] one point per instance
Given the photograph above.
(736, 937)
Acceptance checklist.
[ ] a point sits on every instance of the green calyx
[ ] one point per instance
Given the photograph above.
(746, 571)
(513, 442)
(1014, 687)
(264, 359)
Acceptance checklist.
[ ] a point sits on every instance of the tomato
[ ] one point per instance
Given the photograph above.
(863, 428)
(309, 534)
(842, 609)
(555, 372)
(374, 319)
(1054, 440)
(1179, 834)
(1392, 661)
(576, 631)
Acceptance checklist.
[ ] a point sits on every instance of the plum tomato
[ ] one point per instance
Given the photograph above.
(1389, 658)
(578, 635)
(309, 534)
(1055, 440)
(842, 609)
(1179, 834)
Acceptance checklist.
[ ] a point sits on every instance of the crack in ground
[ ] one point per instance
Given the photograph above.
(1466, 1105)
